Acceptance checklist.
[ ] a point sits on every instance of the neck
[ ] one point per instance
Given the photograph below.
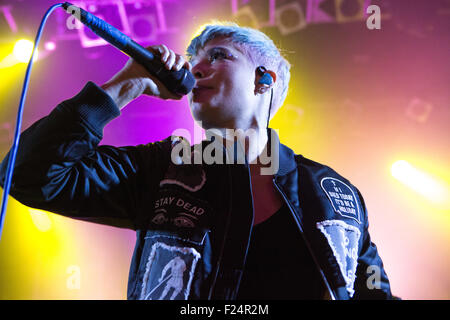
(251, 141)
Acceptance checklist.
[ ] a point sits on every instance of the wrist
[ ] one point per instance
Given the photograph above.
(123, 91)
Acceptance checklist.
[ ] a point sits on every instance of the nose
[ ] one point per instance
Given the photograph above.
(201, 70)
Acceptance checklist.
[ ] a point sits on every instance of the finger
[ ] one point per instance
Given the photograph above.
(168, 95)
(156, 49)
(179, 63)
(165, 93)
(171, 60)
(188, 65)
(165, 53)
(176, 96)
(161, 50)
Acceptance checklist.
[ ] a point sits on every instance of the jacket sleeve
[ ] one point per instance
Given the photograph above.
(60, 167)
(371, 279)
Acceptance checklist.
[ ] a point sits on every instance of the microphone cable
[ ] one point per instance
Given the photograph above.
(15, 145)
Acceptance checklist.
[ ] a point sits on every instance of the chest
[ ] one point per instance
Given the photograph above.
(266, 199)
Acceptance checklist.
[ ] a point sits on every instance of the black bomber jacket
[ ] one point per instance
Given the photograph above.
(193, 221)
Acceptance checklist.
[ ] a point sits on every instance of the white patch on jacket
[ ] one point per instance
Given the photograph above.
(343, 240)
(169, 272)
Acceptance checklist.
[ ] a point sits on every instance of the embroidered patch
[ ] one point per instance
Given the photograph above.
(189, 177)
(169, 272)
(342, 198)
(343, 240)
(178, 208)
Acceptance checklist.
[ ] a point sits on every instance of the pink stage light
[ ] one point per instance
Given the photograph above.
(50, 46)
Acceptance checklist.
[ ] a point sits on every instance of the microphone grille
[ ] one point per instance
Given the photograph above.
(187, 83)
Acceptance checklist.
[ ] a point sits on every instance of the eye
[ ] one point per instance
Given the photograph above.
(219, 54)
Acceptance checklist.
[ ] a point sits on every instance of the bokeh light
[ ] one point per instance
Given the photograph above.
(420, 181)
(23, 49)
(50, 45)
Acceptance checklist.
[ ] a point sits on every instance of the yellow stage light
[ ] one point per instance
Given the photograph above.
(420, 181)
(23, 49)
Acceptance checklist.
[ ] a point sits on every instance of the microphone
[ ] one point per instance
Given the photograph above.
(179, 82)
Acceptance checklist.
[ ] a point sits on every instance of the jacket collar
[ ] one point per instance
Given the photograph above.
(286, 157)
(284, 161)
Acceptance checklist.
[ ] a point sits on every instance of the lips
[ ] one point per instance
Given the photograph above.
(201, 88)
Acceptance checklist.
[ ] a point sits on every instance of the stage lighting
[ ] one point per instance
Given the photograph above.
(320, 11)
(290, 18)
(418, 110)
(50, 46)
(419, 181)
(349, 10)
(144, 27)
(23, 49)
(245, 16)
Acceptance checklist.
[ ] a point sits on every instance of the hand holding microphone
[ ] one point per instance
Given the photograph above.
(133, 79)
(158, 80)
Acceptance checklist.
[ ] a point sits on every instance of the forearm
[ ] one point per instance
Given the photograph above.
(82, 117)
(134, 80)
(123, 91)
(54, 168)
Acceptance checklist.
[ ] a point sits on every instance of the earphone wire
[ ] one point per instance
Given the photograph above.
(268, 118)
(270, 107)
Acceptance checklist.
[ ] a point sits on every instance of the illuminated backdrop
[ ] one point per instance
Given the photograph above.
(372, 104)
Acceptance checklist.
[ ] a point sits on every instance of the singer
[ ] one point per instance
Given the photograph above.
(207, 230)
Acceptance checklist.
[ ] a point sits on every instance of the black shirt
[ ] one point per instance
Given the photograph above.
(279, 265)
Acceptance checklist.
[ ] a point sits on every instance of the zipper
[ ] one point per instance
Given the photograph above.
(327, 285)
(253, 220)
(227, 227)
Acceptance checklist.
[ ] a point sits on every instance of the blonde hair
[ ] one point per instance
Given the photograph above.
(259, 48)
